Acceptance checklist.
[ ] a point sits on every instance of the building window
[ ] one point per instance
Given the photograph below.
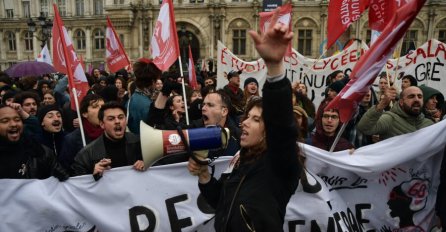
(304, 41)
(442, 36)
(196, 1)
(99, 41)
(10, 37)
(118, 2)
(98, 7)
(80, 40)
(44, 7)
(26, 9)
(409, 42)
(29, 41)
(79, 7)
(9, 13)
(239, 42)
(62, 6)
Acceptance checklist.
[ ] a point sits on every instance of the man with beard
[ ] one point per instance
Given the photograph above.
(29, 101)
(21, 157)
(52, 136)
(114, 148)
(404, 117)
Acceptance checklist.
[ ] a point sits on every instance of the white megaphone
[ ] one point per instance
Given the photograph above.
(155, 144)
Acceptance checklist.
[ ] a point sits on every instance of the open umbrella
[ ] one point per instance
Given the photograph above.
(30, 68)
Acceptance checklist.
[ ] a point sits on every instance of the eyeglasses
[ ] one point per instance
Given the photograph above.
(333, 117)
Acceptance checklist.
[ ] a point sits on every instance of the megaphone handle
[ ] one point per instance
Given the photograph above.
(189, 152)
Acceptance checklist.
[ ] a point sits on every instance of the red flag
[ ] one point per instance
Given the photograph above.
(114, 53)
(341, 14)
(284, 18)
(81, 60)
(191, 69)
(371, 63)
(65, 60)
(380, 13)
(164, 44)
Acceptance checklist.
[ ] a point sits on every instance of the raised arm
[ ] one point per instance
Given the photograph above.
(281, 131)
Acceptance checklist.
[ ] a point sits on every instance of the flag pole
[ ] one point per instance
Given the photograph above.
(184, 91)
(338, 136)
(69, 72)
(81, 126)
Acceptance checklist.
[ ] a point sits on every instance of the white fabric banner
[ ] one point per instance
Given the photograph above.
(426, 64)
(381, 187)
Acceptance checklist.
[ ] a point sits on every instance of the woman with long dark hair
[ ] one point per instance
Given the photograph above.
(252, 195)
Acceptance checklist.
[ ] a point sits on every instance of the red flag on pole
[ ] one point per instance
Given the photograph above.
(284, 18)
(191, 69)
(341, 14)
(371, 63)
(65, 60)
(380, 13)
(164, 44)
(114, 53)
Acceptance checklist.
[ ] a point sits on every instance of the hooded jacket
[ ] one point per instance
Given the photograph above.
(391, 123)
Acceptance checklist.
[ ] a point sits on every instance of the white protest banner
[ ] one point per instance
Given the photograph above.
(297, 68)
(388, 186)
(426, 64)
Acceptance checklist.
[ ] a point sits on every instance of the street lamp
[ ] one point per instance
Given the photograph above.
(45, 24)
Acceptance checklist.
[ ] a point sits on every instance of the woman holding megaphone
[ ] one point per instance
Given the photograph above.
(252, 195)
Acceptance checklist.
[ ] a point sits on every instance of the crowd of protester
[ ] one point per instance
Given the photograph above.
(40, 135)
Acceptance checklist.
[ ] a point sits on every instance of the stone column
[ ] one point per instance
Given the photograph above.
(18, 43)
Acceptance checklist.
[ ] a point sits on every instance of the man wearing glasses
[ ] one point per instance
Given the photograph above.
(326, 133)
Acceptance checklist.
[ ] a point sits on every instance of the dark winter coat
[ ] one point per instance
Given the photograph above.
(256, 193)
(95, 151)
(27, 159)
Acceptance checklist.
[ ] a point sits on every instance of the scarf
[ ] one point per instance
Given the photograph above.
(93, 132)
(234, 89)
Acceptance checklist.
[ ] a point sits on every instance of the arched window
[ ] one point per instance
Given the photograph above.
(10, 37)
(410, 41)
(239, 30)
(305, 33)
(441, 30)
(99, 40)
(29, 41)
(79, 39)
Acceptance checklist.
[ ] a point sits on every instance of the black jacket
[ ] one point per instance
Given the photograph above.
(256, 193)
(95, 151)
(27, 159)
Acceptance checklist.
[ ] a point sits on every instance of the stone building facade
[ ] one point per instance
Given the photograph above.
(200, 24)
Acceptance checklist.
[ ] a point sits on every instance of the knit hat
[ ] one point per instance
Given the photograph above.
(234, 73)
(250, 80)
(336, 86)
(45, 109)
